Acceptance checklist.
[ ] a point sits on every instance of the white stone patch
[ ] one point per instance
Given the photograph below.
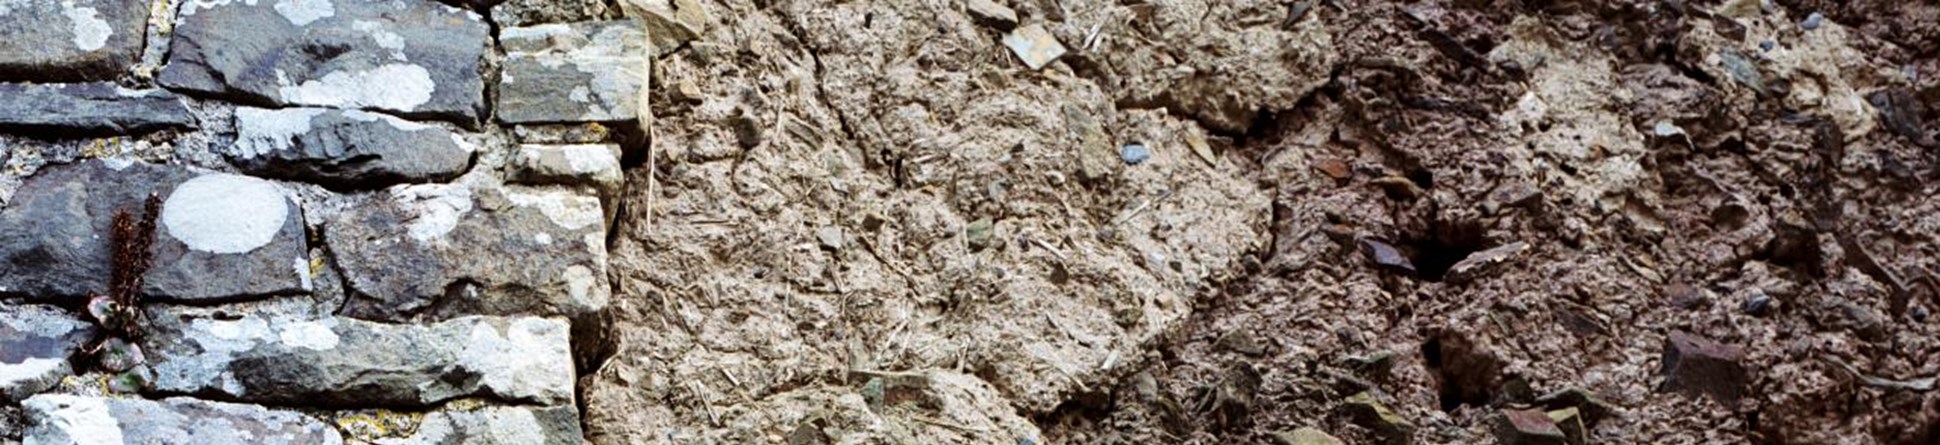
(401, 87)
(544, 239)
(225, 213)
(315, 335)
(304, 12)
(579, 281)
(302, 267)
(435, 208)
(261, 131)
(7, 6)
(384, 38)
(528, 361)
(90, 31)
(564, 208)
(34, 368)
(73, 420)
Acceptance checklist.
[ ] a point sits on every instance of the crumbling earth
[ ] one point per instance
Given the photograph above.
(1377, 222)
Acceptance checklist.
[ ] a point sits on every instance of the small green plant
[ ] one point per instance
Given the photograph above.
(119, 312)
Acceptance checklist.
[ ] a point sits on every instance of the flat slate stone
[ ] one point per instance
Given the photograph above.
(582, 72)
(557, 425)
(71, 419)
(343, 362)
(443, 250)
(413, 58)
(219, 237)
(70, 40)
(597, 165)
(89, 109)
(35, 344)
(345, 148)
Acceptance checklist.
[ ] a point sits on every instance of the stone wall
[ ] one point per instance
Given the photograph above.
(379, 221)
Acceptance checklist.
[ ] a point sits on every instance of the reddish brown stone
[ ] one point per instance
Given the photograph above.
(1697, 365)
(1527, 427)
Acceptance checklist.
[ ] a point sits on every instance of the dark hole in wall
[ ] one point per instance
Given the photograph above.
(1464, 374)
(1441, 246)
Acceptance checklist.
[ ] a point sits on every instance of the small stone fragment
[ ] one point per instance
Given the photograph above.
(979, 233)
(36, 343)
(1742, 69)
(1526, 427)
(1370, 413)
(1385, 255)
(417, 59)
(1900, 111)
(1570, 421)
(70, 419)
(1197, 142)
(345, 148)
(670, 23)
(1509, 195)
(339, 361)
(89, 109)
(1305, 436)
(1482, 263)
(1697, 365)
(829, 237)
(1033, 45)
(1241, 341)
(1812, 21)
(992, 14)
(582, 72)
(1134, 154)
(1336, 169)
(1592, 407)
(69, 41)
(1758, 304)
(597, 165)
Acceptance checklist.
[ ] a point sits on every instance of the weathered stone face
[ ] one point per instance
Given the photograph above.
(89, 109)
(583, 72)
(220, 237)
(417, 59)
(35, 344)
(438, 251)
(345, 148)
(534, 12)
(71, 419)
(347, 362)
(71, 40)
(557, 425)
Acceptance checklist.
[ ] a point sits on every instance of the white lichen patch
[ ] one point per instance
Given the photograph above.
(32, 369)
(90, 31)
(225, 213)
(579, 281)
(528, 360)
(435, 208)
(314, 335)
(305, 12)
(399, 87)
(75, 420)
(564, 208)
(302, 268)
(262, 131)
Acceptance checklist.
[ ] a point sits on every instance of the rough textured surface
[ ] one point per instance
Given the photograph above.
(84, 420)
(70, 40)
(476, 247)
(345, 148)
(511, 13)
(223, 237)
(343, 362)
(36, 343)
(582, 72)
(495, 426)
(68, 110)
(413, 58)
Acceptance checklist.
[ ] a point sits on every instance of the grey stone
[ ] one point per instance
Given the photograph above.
(35, 345)
(72, 419)
(511, 13)
(345, 148)
(344, 362)
(506, 425)
(70, 40)
(582, 72)
(443, 250)
(90, 109)
(219, 237)
(1035, 46)
(418, 59)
